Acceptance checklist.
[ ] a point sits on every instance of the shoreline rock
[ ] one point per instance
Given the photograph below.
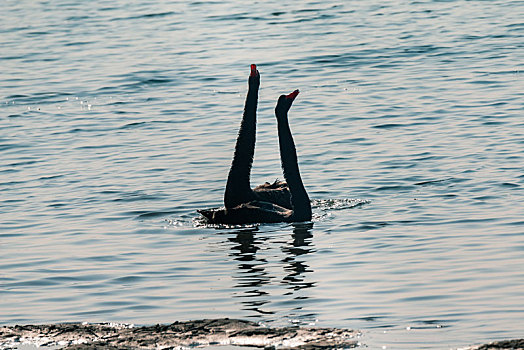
(513, 344)
(178, 335)
(191, 334)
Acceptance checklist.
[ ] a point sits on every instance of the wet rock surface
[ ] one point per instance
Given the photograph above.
(176, 335)
(190, 334)
(517, 344)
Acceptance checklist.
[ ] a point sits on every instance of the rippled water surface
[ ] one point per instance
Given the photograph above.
(118, 120)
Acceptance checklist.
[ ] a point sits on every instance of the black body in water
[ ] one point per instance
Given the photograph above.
(278, 202)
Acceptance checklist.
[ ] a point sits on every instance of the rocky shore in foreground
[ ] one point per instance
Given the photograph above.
(190, 334)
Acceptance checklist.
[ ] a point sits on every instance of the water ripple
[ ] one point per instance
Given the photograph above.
(119, 121)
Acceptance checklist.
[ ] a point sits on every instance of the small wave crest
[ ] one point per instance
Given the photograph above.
(337, 204)
(201, 222)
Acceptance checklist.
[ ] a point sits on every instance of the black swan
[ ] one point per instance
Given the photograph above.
(277, 202)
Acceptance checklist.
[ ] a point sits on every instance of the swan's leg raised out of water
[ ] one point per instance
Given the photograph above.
(278, 202)
(238, 187)
(288, 156)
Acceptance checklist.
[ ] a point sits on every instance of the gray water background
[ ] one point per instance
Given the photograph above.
(118, 120)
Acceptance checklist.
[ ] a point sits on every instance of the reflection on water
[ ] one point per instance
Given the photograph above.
(295, 266)
(255, 284)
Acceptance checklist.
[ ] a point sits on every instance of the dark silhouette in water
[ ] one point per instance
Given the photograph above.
(277, 202)
(238, 187)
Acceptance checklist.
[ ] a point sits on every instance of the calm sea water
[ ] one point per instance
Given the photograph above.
(118, 120)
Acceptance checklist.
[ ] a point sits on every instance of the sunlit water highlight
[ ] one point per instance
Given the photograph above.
(118, 121)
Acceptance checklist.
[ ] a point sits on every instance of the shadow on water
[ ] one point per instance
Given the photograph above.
(256, 283)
